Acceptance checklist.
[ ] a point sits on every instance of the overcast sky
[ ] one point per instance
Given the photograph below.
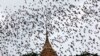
(76, 28)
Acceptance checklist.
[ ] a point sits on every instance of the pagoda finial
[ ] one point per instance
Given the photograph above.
(47, 36)
(47, 43)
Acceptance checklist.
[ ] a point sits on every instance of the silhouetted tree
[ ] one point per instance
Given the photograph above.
(87, 54)
(31, 54)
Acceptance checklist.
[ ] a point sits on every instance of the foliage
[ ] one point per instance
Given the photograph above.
(87, 54)
(31, 54)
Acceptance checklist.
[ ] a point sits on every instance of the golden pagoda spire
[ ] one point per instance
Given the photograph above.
(47, 43)
(47, 48)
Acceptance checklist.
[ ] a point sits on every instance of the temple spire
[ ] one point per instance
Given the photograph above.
(47, 48)
(47, 43)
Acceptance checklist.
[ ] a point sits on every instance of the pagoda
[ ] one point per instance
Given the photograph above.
(47, 48)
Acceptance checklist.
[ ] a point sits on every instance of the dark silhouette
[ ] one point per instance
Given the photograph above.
(87, 54)
(31, 54)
